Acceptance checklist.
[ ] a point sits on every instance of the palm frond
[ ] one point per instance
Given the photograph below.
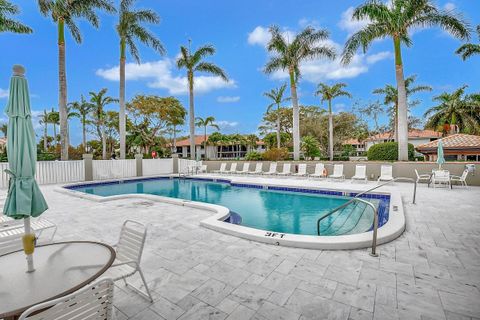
(210, 68)
(363, 39)
(448, 21)
(202, 52)
(275, 64)
(183, 60)
(468, 50)
(74, 31)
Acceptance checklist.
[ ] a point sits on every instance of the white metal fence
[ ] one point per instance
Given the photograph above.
(152, 167)
(113, 169)
(49, 172)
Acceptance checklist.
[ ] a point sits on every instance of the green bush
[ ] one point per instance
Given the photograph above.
(310, 147)
(47, 156)
(253, 156)
(388, 151)
(276, 154)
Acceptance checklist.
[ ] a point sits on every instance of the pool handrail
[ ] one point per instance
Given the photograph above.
(375, 210)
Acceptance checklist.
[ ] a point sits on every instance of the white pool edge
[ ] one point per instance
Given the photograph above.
(388, 232)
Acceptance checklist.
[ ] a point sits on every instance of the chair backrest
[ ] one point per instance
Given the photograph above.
(258, 167)
(302, 168)
(287, 167)
(441, 174)
(273, 167)
(223, 166)
(233, 167)
(465, 174)
(246, 166)
(131, 241)
(386, 170)
(93, 301)
(10, 242)
(416, 172)
(203, 167)
(361, 170)
(338, 169)
(319, 167)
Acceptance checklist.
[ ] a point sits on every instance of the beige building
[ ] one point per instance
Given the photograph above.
(463, 147)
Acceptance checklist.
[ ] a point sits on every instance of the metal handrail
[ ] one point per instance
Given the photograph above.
(375, 218)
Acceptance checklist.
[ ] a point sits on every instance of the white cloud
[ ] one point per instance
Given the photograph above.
(3, 93)
(305, 22)
(226, 126)
(160, 75)
(259, 35)
(374, 58)
(449, 6)
(227, 99)
(351, 26)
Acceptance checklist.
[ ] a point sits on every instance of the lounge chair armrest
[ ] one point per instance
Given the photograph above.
(124, 263)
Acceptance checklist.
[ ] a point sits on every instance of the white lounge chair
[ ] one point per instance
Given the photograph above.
(223, 168)
(94, 301)
(360, 173)
(233, 169)
(386, 173)
(286, 170)
(202, 168)
(441, 177)
(272, 170)
(320, 171)
(422, 177)
(337, 172)
(302, 170)
(246, 167)
(462, 179)
(129, 253)
(258, 168)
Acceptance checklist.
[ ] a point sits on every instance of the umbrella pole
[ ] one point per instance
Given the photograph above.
(28, 244)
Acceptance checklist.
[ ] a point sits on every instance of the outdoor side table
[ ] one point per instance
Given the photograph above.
(60, 269)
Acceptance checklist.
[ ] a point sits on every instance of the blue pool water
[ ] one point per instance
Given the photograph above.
(278, 209)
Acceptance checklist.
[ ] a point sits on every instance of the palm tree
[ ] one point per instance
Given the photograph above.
(44, 120)
(276, 95)
(4, 129)
(99, 101)
(7, 24)
(390, 94)
(54, 119)
(175, 117)
(328, 93)
(469, 49)
(83, 109)
(395, 20)
(193, 62)
(129, 30)
(288, 56)
(454, 111)
(64, 13)
(205, 123)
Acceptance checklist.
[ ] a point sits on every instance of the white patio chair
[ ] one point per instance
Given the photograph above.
(360, 173)
(337, 172)
(246, 167)
(441, 177)
(129, 253)
(11, 232)
(462, 179)
(233, 169)
(202, 168)
(386, 173)
(272, 170)
(422, 177)
(320, 171)
(302, 170)
(258, 168)
(286, 170)
(94, 301)
(223, 168)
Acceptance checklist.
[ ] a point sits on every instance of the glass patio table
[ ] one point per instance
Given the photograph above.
(60, 269)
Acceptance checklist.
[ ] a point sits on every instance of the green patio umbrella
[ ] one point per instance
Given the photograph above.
(24, 199)
(440, 158)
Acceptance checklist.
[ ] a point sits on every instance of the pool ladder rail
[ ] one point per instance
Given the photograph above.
(371, 205)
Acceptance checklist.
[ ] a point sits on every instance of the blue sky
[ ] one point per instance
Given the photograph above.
(238, 30)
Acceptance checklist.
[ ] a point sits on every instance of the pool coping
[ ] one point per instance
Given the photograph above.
(392, 229)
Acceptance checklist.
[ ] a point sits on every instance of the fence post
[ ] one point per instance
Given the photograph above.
(175, 162)
(139, 164)
(88, 166)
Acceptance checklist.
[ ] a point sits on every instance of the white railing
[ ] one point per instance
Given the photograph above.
(50, 172)
(113, 169)
(184, 164)
(151, 167)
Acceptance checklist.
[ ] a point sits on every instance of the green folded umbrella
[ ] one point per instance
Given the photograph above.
(24, 199)
(440, 157)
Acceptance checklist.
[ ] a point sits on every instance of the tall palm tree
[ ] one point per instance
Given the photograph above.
(64, 13)
(44, 120)
(193, 62)
(390, 94)
(454, 110)
(10, 25)
(205, 123)
(395, 20)
(306, 45)
(100, 100)
(276, 95)
(328, 93)
(54, 119)
(469, 49)
(130, 30)
(83, 109)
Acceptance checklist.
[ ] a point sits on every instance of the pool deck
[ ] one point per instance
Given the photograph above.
(432, 271)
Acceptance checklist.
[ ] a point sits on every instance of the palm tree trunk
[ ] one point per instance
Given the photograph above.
(122, 120)
(45, 137)
(330, 130)
(55, 133)
(192, 117)
(104, 143)
(395, 124)
(402, 104)
(62, 78)
(296, 117)
(205, 143)
(84, 133)
(278, 128)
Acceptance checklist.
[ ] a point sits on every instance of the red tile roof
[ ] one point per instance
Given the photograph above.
(199, 139)
(412, 134)
(352, 141)
(455, 141)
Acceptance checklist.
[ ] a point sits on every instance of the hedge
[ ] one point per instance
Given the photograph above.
(388, 151)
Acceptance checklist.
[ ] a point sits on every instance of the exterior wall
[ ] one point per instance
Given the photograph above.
(400, 169)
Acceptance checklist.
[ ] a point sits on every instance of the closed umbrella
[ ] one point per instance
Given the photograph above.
(440, 158)
(24, 199)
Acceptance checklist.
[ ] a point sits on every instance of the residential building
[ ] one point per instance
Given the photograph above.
(463, 147)
(415, 136)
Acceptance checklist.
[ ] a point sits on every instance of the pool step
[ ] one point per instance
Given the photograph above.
(354, 218)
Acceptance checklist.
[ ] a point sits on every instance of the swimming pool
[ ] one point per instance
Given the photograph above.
(277, 209)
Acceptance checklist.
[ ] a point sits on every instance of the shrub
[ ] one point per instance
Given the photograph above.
(388, 151)
(310, 147)
(276, 154)
(253, 156)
